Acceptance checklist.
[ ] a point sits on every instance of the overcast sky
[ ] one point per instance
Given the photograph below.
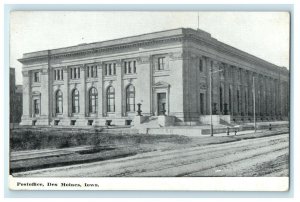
(263, 34)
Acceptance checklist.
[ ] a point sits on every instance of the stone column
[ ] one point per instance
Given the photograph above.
(100, 90)
(233, 91)
(118, 90)
(226, 87)
(215, 87)
(250, 93)
(66, 92)
(144, 84)
(26, 98)
(45, 98)
(82, 92)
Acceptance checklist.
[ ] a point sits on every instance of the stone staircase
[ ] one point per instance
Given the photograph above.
(150, 122)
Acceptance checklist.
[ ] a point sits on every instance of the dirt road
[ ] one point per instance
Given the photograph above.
(267, 156)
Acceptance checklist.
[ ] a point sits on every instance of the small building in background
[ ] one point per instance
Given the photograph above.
(15, 98)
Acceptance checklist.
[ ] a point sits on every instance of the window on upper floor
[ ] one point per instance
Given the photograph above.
(36, 77)
(200, 65)
(161, 63)
(91, 71)
(58, 75)
(110, 69)
(74, 72)
(130, 67)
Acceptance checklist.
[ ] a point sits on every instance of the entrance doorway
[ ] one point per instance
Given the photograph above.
(161, 103)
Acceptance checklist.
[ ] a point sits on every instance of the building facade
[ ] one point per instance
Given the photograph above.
(167, 72)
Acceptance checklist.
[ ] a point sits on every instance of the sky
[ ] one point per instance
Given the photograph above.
(263, 34)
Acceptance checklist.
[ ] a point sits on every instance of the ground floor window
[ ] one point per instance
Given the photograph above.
(110, 99)
(93, 98)
(59, 102)
(130, 98)
(36, 106)
(75, 101)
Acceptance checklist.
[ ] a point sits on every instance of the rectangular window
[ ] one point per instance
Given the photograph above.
(58, 74)
(134, 66)
(106, 70)
(161, 63)
(71, 73)
(74, 73)
(36, 76)
(88, 72)
(109, 69)
(129, 67)
(115, 70)
(125, 67)
(200, 65)
(91, 71)
(95, 71)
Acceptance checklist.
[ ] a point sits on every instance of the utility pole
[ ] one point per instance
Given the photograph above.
(210, 99)
(198, 20)
(254, 118)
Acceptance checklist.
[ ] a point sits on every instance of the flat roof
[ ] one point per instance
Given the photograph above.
(144, 37)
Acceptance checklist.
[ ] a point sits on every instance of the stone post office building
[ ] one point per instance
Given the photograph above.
(167, 72)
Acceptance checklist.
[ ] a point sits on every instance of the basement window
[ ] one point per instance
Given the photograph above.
(108, 122)
(73, 122)
(56, 122)
(128, 122)
(90, 122)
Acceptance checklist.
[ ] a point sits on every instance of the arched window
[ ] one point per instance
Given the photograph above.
(130, 98)
(93, 98)
(59, 102)
(75, 101)
(110, 99)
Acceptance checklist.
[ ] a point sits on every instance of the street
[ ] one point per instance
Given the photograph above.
(265, 156)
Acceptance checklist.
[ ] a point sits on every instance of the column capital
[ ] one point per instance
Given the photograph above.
(25, 73)
(143, 59)
(44, 71)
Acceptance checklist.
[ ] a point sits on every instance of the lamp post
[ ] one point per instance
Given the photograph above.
(210, 95)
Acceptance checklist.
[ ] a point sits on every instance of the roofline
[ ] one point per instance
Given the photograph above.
(102, 44)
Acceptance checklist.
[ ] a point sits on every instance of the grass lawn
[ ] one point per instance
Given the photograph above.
(104, 146)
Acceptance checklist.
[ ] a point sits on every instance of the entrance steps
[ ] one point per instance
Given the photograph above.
(149, 122)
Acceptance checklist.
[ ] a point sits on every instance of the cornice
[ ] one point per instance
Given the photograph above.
(114, 48)
(224, 48)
